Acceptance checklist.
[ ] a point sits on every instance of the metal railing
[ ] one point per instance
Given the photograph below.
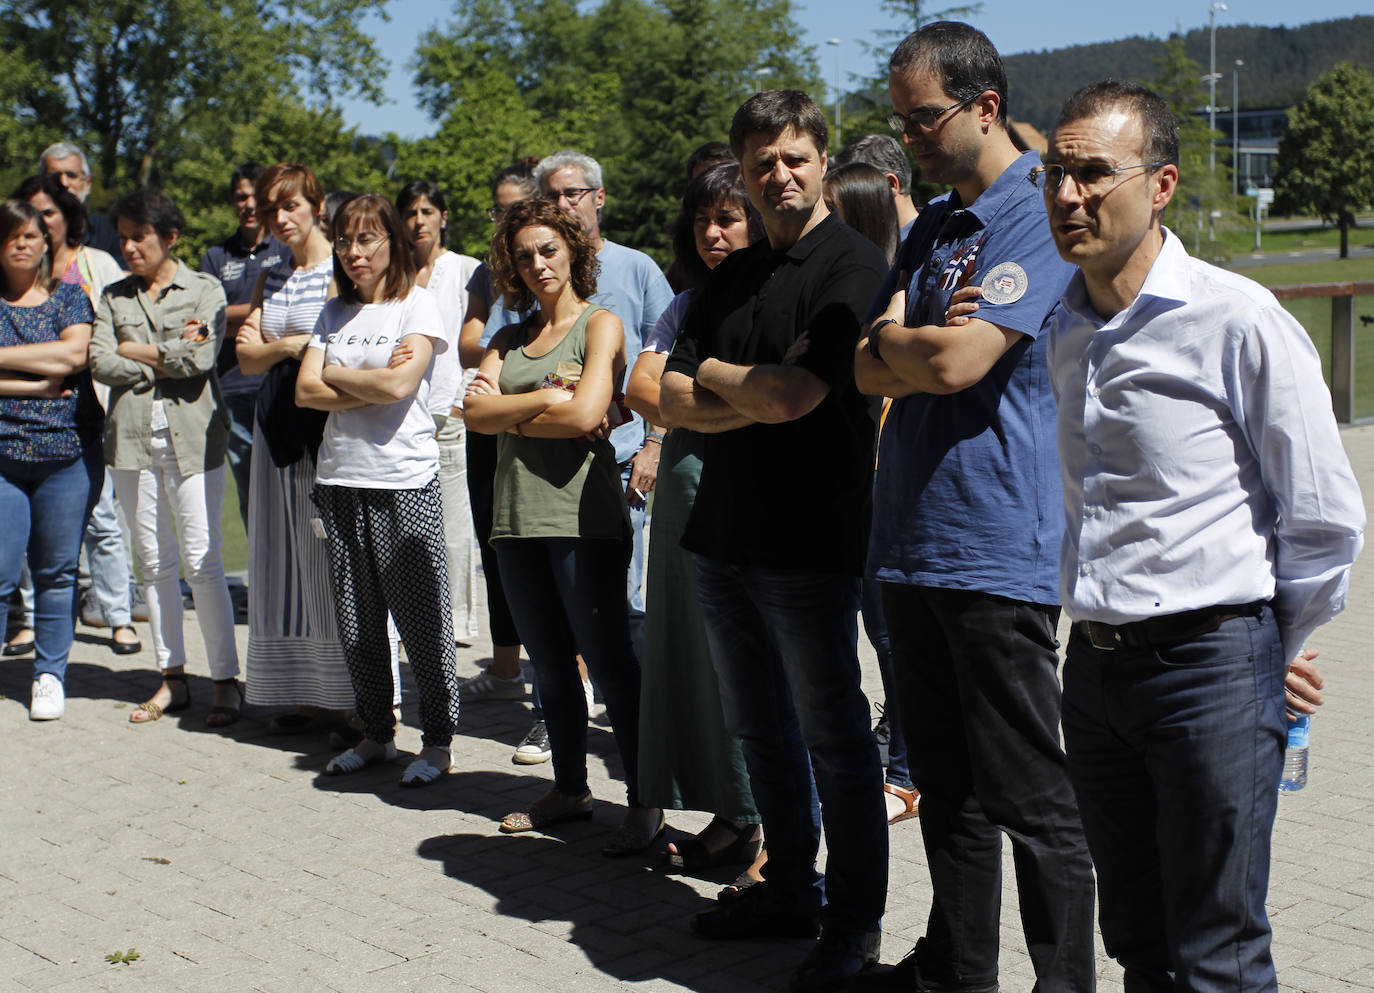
(1342, 336)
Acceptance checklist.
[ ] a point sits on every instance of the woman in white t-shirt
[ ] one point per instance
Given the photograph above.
(369, 364)
(445, 274)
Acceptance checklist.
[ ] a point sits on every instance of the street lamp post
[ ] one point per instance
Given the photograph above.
(1212, 89)
(1235, 128)
(836, 43)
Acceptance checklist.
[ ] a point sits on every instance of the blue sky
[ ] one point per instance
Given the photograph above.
(1013, 25)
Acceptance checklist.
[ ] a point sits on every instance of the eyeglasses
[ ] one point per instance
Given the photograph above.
(367, 243)
(71, 174)
(495, 214)
(924, 118)
(1093, 179)
(573, 194)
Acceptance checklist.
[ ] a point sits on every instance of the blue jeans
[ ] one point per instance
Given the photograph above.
(980, 698)
(44, 506)
(107, 555)
(785, 647)
(569, 596)
(634, 578)
(875, 626)
(239, 454)
(1175, 754)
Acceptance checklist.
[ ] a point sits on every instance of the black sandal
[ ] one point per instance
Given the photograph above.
(693, 856)
(230, 715)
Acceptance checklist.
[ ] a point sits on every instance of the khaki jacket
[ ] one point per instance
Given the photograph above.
(188, 386)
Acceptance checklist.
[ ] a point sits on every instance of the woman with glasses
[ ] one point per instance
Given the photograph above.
(561, 527)
(688, 760)
(294, 656)
(368, 366)
(445, 274)
(156, 337)
(50, 462)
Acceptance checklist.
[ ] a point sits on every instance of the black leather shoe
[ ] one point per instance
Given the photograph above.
(835, 959)
(754, 913)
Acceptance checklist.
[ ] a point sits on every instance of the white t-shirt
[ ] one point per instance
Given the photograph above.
(449, 284)
(380, 446)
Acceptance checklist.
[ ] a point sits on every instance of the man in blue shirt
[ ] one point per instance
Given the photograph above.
(966, 528)
(236, 263)
(631, 286)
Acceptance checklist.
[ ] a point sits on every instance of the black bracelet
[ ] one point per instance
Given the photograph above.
(873, 336)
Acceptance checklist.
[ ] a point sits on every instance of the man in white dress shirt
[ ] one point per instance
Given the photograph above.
(1212, 519)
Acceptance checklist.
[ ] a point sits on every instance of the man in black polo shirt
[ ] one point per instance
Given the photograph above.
(765, 369)
(236, 262)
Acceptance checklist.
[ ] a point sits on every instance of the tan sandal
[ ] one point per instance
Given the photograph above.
(910, 800)
(550, 809)
(148, 711)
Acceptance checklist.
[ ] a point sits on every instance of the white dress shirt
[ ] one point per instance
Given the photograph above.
(1201, 460)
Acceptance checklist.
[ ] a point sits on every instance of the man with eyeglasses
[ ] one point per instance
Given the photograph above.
(631, 286)
(69, 164)
(1212, 520)
(966, 523)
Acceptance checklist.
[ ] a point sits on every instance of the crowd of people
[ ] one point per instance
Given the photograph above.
(949, 422)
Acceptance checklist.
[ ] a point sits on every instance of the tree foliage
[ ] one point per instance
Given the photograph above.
(129, 78)
(637, 84)
(1326, 159)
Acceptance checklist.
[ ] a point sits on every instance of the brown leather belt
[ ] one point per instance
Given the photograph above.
(1170, 629)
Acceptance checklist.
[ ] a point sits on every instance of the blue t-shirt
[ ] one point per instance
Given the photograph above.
(631, 286)
(968, 494)
(236, 264)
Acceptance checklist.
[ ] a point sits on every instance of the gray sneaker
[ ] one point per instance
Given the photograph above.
(485, 686)
(535, 748)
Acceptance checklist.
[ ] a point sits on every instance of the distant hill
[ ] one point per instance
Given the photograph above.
(1279, 64)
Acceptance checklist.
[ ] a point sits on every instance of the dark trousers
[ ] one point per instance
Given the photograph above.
(481, 477)
(785, 647)
(386, 553)
(980, 703)
(1175, 754)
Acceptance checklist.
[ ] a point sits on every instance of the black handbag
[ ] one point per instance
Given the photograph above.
(290, 431)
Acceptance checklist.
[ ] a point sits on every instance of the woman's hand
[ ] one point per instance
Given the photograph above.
(400, 354)
(482, 385)
(195, 330)
(52, 387)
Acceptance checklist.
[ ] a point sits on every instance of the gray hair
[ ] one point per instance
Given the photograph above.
(561, 159)
(883, 153)
(63, 150)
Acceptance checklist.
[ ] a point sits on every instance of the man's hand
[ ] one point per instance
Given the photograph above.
(1303, 685)
(643, 472)
(896, 307)
(962, 306)
(797, 349)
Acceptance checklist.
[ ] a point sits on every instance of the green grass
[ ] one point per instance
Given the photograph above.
(1314, 314)
(234, 546)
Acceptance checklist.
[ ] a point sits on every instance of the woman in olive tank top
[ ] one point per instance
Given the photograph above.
(560, 526)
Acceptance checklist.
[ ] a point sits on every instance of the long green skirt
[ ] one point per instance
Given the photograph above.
(687, 759)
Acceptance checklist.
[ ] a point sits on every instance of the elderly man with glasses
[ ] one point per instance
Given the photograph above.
(966, 527)
(633, 288)
(69, 164)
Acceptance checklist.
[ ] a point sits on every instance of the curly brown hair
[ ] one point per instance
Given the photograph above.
(531, 213)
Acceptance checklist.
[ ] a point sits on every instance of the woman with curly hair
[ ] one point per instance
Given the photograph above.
(560, 526)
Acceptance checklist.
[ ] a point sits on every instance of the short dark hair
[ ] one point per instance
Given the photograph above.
(400, 273)
(152, 208)
(249, 171)
(720, 184)
(286, 179)
(1157, 121)
(709, 154)
(775, 111)
(960, 55)
(519, 174)
(883, 152)
(538, 212)
(860, 195)
(73, 210)
(15, 214)
(411, 192)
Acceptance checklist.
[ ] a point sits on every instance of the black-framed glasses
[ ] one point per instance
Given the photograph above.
(367, 242)
(573, 194)
(924, 118)
(1093, 179)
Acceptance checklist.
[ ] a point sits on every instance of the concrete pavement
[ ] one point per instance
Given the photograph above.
(228, 862)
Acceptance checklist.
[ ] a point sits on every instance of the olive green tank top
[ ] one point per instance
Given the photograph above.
(555, 487)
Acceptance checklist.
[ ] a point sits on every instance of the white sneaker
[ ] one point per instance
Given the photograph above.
(485, 686)
(48, 702)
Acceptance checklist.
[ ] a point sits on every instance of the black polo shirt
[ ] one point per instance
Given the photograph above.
(236, 264)
(794, 495)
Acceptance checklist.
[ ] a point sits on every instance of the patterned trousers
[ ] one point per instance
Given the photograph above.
(386, 553)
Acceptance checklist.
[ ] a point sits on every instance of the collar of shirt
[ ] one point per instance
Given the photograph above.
(1166, 286)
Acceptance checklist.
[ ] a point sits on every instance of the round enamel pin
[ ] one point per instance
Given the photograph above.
(1005, 283)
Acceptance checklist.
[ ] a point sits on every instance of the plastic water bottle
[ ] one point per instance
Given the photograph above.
(1295, 758)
